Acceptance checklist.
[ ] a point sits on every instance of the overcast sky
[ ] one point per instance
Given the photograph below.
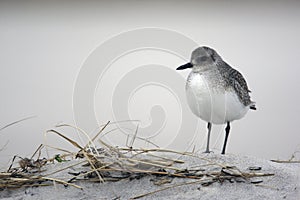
(45, 47)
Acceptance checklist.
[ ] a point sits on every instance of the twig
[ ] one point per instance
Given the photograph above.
(39, 148)
(286, 161)
(61, 181)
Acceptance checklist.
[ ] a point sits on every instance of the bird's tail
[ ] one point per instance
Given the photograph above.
(253, 106)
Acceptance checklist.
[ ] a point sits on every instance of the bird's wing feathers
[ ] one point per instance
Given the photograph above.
(236, 76)
(237, 81)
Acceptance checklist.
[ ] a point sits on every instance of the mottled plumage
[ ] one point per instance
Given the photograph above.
(231, 77)
(216, 92)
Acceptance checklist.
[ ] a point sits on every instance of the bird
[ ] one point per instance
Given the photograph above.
(216, 92)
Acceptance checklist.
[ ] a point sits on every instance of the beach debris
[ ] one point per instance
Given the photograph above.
(110, 163)
(254, 168)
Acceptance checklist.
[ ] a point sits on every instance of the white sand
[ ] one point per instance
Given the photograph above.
(285, 184)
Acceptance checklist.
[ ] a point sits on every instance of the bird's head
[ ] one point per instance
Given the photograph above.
(202, 58)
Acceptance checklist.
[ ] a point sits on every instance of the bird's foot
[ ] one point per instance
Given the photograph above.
(207, 151)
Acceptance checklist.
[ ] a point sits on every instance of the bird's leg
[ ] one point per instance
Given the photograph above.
(208, 137)
(227, 129)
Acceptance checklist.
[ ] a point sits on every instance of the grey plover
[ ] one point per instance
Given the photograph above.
(216, 92)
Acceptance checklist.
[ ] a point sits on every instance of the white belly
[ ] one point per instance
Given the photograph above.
(215, 105)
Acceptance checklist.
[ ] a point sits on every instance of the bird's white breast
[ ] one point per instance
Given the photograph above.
(213, 103)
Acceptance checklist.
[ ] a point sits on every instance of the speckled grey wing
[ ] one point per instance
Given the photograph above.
(236, 80)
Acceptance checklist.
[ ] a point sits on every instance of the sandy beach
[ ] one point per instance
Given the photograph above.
(283, 184)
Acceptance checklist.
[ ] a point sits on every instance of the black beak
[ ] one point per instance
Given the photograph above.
(185, 66)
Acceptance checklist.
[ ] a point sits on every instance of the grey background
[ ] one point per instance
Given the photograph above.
(44, 45)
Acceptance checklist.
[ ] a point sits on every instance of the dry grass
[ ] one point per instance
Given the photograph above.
(110, 163)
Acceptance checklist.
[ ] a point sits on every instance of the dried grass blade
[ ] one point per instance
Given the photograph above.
(15, 122)
(286, 161)
(61, 181)
(66, 138)
(166, 188)
(93, 139)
